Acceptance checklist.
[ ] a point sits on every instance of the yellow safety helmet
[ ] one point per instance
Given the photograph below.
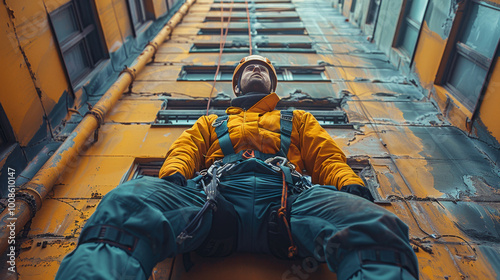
(250, 60)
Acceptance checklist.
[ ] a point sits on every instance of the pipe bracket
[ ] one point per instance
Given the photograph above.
(29, 199)
(98, 117)
(155, 47)
(132, 74)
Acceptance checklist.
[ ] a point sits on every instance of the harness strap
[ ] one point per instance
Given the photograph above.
(286, 126)
(136, 247)
(282, 211)
(222, 132)
(353, 261)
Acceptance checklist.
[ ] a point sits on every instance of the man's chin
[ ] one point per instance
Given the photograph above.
(254, 93)
(256, 88)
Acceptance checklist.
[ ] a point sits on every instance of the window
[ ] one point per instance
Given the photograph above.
(296, 74)
(353, 5)
(6, 134)
(143, 167)
(255, 1)
(242, 47)
(233, 47)
(186, 112)
(285, 47)
(372, 11)
(473, 52)
(262, 17)
(170, 4)
(282, 31)
(409, 28)
(138, 13)
(261, 8)
(80, 39)
(260, 31)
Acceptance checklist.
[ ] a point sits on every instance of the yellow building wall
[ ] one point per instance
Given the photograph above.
(428, 55)
(33, 36)
(115, 22)
(488, 112)
(160, 7)
(28, 29)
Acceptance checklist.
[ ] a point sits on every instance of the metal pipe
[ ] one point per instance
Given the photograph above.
(30, 197)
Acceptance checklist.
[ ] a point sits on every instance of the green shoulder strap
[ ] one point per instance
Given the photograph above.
(222, 132)
(286, 126)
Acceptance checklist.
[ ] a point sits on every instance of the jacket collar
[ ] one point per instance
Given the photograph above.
(266, 104)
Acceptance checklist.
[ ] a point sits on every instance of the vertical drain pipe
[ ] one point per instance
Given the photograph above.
(30, 197)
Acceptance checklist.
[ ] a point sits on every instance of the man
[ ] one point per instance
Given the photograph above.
(252, 198)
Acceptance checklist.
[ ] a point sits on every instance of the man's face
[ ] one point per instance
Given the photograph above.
(255, 78)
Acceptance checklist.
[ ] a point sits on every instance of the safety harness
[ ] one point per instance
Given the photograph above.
(277, 162)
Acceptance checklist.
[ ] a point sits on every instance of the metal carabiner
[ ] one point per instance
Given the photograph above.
(277, 160)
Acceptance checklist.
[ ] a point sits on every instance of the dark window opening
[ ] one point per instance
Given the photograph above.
(79, 38)
(256, 1)
(6, 134)
(414, 12)
(215, 47)
(170, 4)
(282, 31)
(285, 47)
(261, 19)
(226, 7)
(353, 6)
(260, 31)
(143, 167)
(186, 112)
(141, 11)
(206, 73)
(473, 53)
(242, 47)
(372, 11)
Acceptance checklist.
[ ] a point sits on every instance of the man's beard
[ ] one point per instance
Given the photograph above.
(255, 86)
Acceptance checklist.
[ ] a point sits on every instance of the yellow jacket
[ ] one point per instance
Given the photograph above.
(312, 150)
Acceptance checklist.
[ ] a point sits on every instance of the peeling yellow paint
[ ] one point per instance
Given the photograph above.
(19, 98)
(488, 111)
(428, 55)
(115, 32)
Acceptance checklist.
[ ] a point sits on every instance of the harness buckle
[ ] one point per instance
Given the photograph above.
(248, 154)
(286, 117)
(218, 122)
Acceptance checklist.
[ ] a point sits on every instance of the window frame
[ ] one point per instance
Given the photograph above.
(285, 73)
(7, 136)
(353, 6)
(187, 115)
(77, 38)
(243, 47)
(456, 48)
(145, 18)
(401, 31)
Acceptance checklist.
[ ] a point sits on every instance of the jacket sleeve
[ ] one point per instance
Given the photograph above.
(187, 153)
(323, 159)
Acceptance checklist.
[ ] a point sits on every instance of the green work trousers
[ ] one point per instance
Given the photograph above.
(135, 226)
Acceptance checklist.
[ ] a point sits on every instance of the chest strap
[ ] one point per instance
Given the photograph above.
(222, 131)
(286, 126)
